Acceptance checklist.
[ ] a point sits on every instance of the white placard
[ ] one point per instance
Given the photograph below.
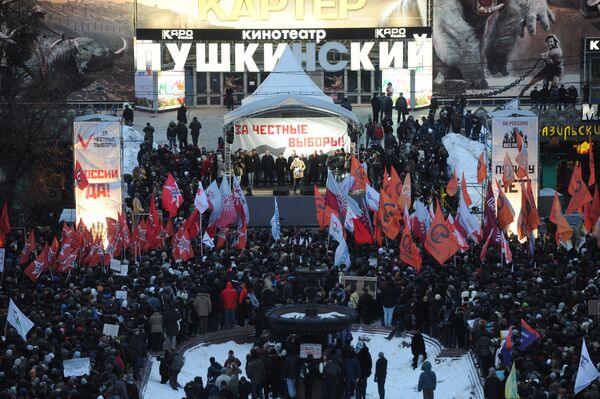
(76, 367)
(121, 295)
(124, 270)
(2, 252)
(303, 135)
(112, 330)
(310, 349)
(504, 131)
(115, 265)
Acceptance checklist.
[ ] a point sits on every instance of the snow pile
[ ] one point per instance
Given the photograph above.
(293, 315)
(297, 315)
(132, 138)
(330, 315)
(463, 155)
(452, 373)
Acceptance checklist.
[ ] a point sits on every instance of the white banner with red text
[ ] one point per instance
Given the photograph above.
(284, 135)
(97, 148)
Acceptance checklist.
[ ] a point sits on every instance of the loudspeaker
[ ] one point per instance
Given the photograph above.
(281, 191)
(307, 191)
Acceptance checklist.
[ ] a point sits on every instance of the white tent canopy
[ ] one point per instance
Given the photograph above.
(288, 87)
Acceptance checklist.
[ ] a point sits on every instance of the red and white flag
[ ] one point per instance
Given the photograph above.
(182, 248)
(215, 201)
(228, 214)
(171, 196)
(28, 248)
(371, 198)
(241, 205)
(201, 200)
(79, 177)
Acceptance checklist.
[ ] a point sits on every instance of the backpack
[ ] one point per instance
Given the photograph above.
(378, 132)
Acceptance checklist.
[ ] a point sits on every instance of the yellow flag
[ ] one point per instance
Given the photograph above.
(510, 389)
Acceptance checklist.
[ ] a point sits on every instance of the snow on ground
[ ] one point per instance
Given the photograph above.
(132, 138)
(452, 374)
(463, 155)
(298, 315)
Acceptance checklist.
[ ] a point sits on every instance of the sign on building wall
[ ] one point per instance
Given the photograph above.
(97, 148)
(504, 133)
(285, 135)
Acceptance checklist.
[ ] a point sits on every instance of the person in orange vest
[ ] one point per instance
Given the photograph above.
(229, 299)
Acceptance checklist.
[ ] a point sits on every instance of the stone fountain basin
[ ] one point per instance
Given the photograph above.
(322, 319)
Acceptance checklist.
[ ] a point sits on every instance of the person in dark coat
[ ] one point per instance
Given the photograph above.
(214, 370)
(163, 368)
(375, 107)
(224, 392)
(280, 168)
(182, 134)
(195, 127)
(182, 114)
(366, 307)
(352, 373)
(468, 124)
(381, 374)
(172, 135)
(267, 165)
(417, 347)
(195, 389)
(127, 115)
(427, 381)
(493, 388)
(255, 370)
(174, 370)
(313, 168)
(388, 107)
(308, 372)
(366, 367)
(534, 96)
(291, 372)
(402, 107)
(148, 133)
(388, 300)
(332, 374)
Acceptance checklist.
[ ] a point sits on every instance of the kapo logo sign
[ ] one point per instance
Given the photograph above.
(592, 44)
(390, 33)
(180, 34)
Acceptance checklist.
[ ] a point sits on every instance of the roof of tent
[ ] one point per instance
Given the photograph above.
(288, 87)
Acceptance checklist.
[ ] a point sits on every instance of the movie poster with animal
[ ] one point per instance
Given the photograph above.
(93, 47)
(505, 48)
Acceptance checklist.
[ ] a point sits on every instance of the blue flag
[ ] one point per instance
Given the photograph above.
(275, 226)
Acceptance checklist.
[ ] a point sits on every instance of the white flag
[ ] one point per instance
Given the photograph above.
(201, 200)
(372, 198)
(467, 220)
(275, 226)
(335, 228)
(18, 320)
(240, 200)
(216, 202)
(587, 372)
(207, 240)
(347, 183)
(342, 255)
(348, 221)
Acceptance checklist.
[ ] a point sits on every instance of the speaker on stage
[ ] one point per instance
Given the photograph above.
(281, 191)
(307, 191)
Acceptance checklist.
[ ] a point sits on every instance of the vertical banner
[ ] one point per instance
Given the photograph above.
(97, 148)
(2, 252)
(504, 140)
(284, 135)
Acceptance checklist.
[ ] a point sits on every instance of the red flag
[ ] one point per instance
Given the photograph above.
(171, 196)
(505, 211)
(534, 218)
(481, 169)
(389, 216)
(124, 229)
(192, 224)
(358, 172)
(242, 239)
(4, 222)
(182, 246)
(169, 228)
(79, 177)
(465, 192)
(564, 232)
(37, 267)
(592, 179)
(362, 235)
(93, 259)
(439, 243)
(452, 187)
(323, 212)
(66, 264)
(221, 238)
(53, 252)
(592, 211)
(409, 253)
(395, 186)
(28, 248)
(228, 213)
(153, 224)
(580, 195)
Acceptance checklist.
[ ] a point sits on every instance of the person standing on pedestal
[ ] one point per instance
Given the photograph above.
(381, 374)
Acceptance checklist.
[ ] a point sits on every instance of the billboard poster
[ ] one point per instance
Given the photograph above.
(486, 48)
(504, 133)
(97, 148)
(284, 135)
(99, 36)
(280, 14)
(171, 89)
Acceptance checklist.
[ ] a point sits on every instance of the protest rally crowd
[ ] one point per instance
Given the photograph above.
(192, 265)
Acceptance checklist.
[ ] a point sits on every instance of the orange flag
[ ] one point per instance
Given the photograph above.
(452, 187)
(409, 253)
(323, 212)
(592, 179)
(580, 195)
(386, 184)
(395, 185)
(564, 232)
(522, 226)
(508, 175)
(439, 243)
(359, 173)
(405, 200)
(533, 220)
(481, 169)
(592, 211)
(465, 193)
(389, 216)
(504, 210)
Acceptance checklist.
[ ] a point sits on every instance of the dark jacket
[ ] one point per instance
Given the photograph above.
(267, 163)
(427, 379)
(381, 369)
(366, 363)
(181, 114)
(493, 388)
(291, 368)
(401, 104)
(352, 368)
(171, 326)
(256, 371)
(417, 344)
(388, 296)
(195, 127)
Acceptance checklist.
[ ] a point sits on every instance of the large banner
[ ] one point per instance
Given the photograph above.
(284, 135)
(510, 56)
(504, 140)
(97, 148)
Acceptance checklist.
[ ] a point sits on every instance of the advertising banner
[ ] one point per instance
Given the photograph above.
(97, 148)
(509, 57)
(284, 135)
(504, 133)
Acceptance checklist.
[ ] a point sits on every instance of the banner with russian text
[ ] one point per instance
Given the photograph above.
(284, 135)
(504, 140)
(97, 147)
